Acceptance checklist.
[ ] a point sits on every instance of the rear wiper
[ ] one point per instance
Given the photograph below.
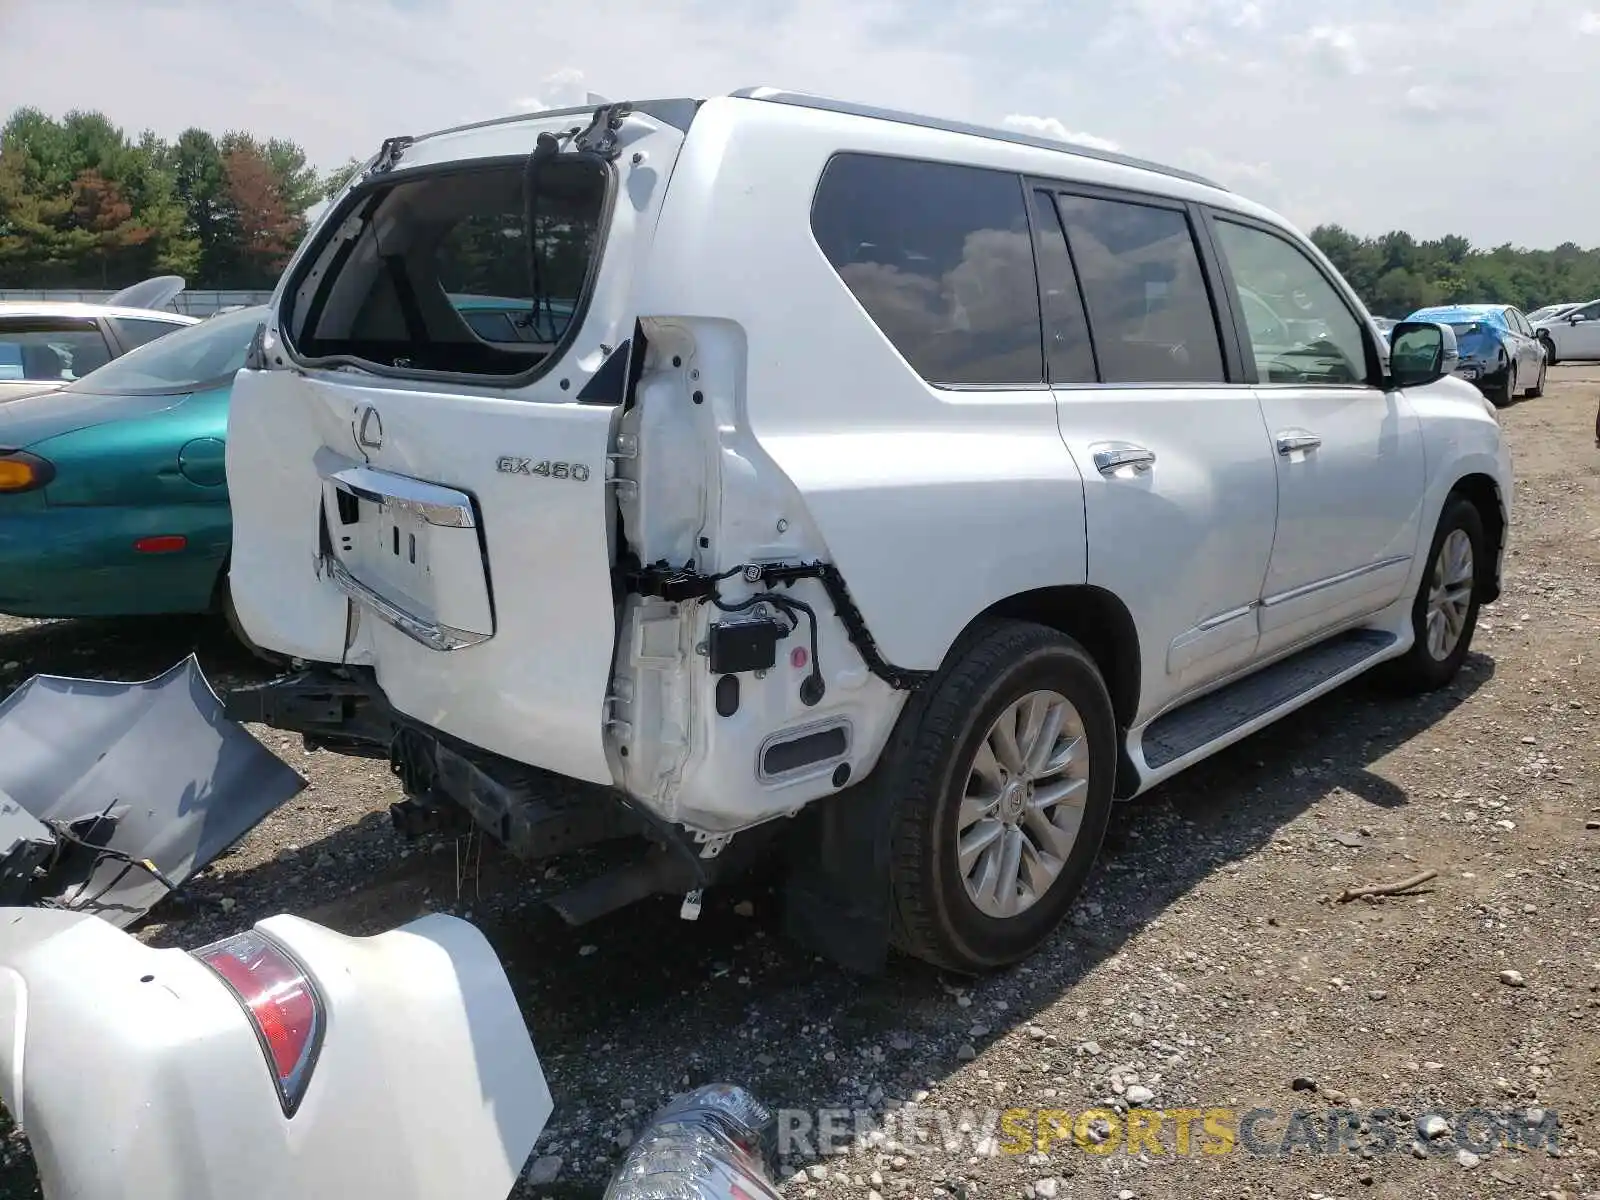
(599, 140)
(546, 148)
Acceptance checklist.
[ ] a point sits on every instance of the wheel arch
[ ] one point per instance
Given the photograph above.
(1100, 622)
(1484, 494)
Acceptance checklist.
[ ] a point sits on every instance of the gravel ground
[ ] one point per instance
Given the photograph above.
(1209, 966)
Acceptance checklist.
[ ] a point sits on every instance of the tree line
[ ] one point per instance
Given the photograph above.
(84, 205)
(1396, 274)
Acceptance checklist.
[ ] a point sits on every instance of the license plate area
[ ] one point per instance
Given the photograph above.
(409, 551)
(381, 543)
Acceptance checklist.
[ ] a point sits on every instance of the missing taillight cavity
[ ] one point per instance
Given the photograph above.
(282, 1003)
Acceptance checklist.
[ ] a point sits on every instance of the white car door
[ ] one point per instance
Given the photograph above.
(1577, 335)
(1349, 455)
(1179, 486)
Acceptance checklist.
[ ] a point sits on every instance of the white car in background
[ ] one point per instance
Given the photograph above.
(1574, 334)
(1551, 311)
(47, 344)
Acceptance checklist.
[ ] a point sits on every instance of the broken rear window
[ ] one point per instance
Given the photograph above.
(456, 273)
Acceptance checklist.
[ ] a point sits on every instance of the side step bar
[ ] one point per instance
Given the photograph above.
(1215, 715)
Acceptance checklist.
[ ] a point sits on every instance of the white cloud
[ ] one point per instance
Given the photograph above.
(1337, 48)
(1308, 114)
(1424, 98)
(1050, 127)
(560, 89)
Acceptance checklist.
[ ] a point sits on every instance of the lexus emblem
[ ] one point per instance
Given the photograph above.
(369, 433)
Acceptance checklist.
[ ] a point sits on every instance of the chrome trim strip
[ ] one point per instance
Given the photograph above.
(434, 504)
(1306, 589)
(1221, 619)
(431, 634)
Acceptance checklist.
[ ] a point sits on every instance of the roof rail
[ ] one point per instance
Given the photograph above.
(675, 111)
(845, 107)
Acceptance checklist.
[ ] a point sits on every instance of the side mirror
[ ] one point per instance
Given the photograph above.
(1421, 352)
(1575, 318)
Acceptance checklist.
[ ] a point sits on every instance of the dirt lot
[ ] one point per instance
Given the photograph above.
(1207, 967)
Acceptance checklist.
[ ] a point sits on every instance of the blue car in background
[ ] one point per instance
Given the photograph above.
(1499, 350)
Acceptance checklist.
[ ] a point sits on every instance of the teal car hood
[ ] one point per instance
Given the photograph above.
(35, 419)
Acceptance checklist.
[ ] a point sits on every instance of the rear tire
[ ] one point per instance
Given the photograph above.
(991, 845)
(1507, 392)
(1445, 611)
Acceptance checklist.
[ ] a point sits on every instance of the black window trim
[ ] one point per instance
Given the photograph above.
(1374, 380)
(1049, 193)
(361, 194)
(1042, 385)
(1234, 365)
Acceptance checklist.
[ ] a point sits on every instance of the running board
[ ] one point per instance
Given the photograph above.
(1214, 716)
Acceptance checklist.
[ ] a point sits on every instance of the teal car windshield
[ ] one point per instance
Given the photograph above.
(186, 360)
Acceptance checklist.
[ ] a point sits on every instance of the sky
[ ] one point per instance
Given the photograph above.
(1474, 117)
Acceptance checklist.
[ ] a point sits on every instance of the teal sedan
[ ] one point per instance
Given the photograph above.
(113, 500)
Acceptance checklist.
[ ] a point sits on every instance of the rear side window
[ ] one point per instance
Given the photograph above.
(1148, 306)
(46, 349)
(941, 259)
(133, 332)
(457, 273)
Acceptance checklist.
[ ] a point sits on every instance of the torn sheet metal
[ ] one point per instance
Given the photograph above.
(128, 771)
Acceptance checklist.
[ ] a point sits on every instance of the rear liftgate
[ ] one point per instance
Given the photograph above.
(114, 794)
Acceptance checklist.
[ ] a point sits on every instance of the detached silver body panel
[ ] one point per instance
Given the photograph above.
(137, 771)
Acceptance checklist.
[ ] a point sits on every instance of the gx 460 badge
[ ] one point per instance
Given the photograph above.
(508, 465)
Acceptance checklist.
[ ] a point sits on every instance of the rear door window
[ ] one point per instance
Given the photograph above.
(941, 258)
(457, 273)
(50, 349)
(1148, 306)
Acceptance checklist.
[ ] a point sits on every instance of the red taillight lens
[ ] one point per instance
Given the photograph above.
(23, 472)
(281, 1002)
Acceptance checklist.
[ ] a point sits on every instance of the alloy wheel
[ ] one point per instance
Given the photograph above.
(1023, 804)
(1449, 594)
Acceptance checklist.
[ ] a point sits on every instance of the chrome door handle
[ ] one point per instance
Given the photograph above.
(1291, 440)
(1112, 457)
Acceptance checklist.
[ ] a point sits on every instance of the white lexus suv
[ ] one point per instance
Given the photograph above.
(866, 496)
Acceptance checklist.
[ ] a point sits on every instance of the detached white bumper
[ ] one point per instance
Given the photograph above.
(137, 1072)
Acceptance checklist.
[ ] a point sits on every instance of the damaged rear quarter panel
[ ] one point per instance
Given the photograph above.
(934, 503)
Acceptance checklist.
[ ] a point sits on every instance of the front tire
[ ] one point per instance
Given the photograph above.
(1003, 790)
(1549, 351)
(230, 617)
(1537, 389)
(1445, 612)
